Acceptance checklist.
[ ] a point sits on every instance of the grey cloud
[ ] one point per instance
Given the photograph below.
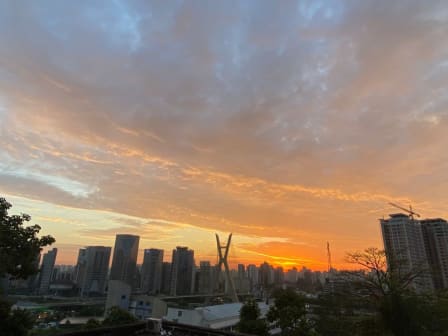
(33, 189)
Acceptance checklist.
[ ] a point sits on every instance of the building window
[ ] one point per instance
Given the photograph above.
(179, 313)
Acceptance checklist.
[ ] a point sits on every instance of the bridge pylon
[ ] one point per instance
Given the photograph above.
(223, 261)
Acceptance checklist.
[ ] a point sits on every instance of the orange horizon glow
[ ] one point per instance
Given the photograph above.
(64, 258)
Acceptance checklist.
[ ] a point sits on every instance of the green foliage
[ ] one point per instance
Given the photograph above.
(250, 322)
(14, 323)
(45, 332)
(415, 315)
(439, 315)
(19, 245)
(19, 250)
(401, 311)
(254, 327)
(288, 313)
(92, 324)
(249, 311)
(379, 301)
(402, 314)
(336, 313)
(117, 316)
(91, 311)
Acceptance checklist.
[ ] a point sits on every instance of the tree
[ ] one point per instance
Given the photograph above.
(288, 313)
(92, 324)
(250, 321)
(19, 250)
(402, 312)
(117, 316)
(91, 311)
(14, 323)
(439, 315)
(379, 279)
(19, 245)
(335, 313)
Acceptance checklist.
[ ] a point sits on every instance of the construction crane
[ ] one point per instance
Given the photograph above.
(409, 211)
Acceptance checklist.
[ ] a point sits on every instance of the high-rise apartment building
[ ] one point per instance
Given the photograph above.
(80, 267)
(252, 274)
(151, 275)
(166, 278)
(405, 249)
(205, 278)
(33, 280)
(182, 271)
(291, 276)
(279, 276)
(241, 280)
(46, 270)
(241, 271)
(91, 270)
(124, 260)
(435, 235)
(265, 275)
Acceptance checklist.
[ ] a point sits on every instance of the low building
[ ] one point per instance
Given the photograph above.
(118, 294)
(145, 306)
(141, 306)
(79, 320)
(224, 316)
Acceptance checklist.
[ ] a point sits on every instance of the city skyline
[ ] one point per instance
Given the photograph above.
(288, 126)
(167, 258)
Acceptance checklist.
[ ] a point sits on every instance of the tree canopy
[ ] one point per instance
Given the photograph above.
(118, 316)
(92, 324)
(401, 310)
(379, 278)
(19, 252)
(14, 323)
(250, 321)
(19, 245)
(288, 313)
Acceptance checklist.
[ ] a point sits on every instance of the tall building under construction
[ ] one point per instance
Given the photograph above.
(413, 245)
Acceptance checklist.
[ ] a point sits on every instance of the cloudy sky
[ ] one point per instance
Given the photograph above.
(289, 124)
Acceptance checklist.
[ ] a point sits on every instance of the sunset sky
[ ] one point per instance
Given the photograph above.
(288, 123)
